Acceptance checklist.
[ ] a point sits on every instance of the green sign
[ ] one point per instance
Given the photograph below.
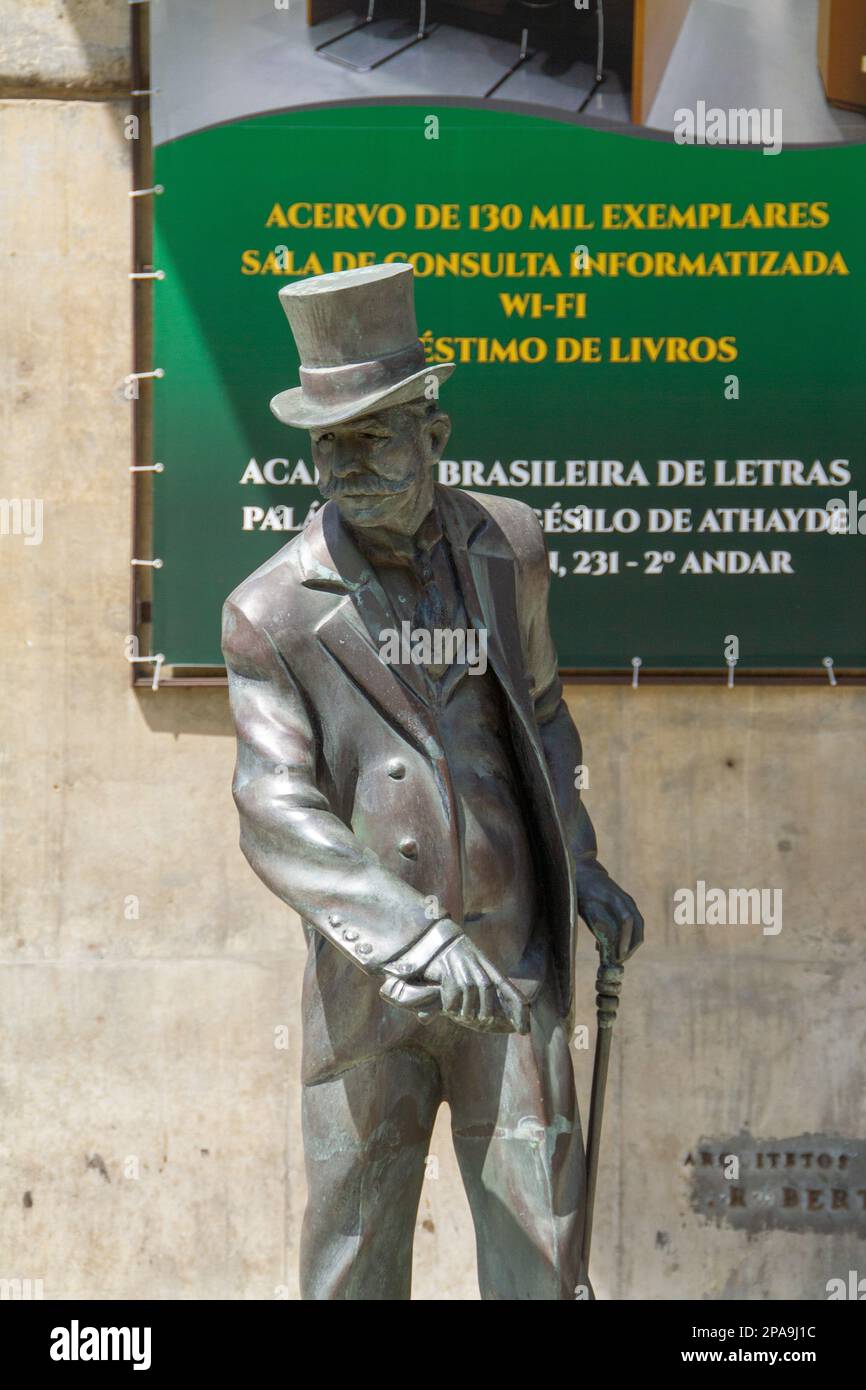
(661, 348)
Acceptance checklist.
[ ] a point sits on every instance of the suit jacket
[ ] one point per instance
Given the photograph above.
(343, 789)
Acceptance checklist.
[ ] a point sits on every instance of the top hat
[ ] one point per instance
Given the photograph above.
(358, 341)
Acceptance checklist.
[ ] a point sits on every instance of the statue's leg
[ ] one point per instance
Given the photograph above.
(366, 1135)
(518, 1142)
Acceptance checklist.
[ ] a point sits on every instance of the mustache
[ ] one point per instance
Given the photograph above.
(363, 485)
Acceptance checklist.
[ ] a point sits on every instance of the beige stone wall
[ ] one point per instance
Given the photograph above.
(150, 1143)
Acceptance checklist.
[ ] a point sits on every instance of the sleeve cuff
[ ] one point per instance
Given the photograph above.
(418, 957)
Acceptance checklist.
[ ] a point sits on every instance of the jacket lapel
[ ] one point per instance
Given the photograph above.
(351, 628)
(486, 567)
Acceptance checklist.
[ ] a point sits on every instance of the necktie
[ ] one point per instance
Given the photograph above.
(431, 612)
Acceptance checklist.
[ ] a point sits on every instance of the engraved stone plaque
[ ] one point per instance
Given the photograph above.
(812, 1182)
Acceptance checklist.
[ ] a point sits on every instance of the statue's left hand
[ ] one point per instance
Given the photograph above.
(424, 1000)
(611, 915)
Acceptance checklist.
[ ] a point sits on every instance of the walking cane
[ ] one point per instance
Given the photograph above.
(608, 983)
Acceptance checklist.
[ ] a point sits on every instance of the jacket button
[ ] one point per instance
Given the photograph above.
(364, 949)
(409, 849)
(350, 934)
(396, 769)
(334, 918)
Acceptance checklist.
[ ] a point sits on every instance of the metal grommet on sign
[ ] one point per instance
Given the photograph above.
(158, 660)
(158, 373)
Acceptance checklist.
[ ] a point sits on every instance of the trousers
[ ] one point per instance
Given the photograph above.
(517, 1137)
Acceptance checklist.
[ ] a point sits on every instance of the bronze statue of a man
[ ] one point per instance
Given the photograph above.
(418, 810)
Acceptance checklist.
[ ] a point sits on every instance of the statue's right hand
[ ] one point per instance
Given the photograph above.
(474, 993)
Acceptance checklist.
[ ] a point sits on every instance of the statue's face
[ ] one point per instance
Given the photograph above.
(378, 468)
